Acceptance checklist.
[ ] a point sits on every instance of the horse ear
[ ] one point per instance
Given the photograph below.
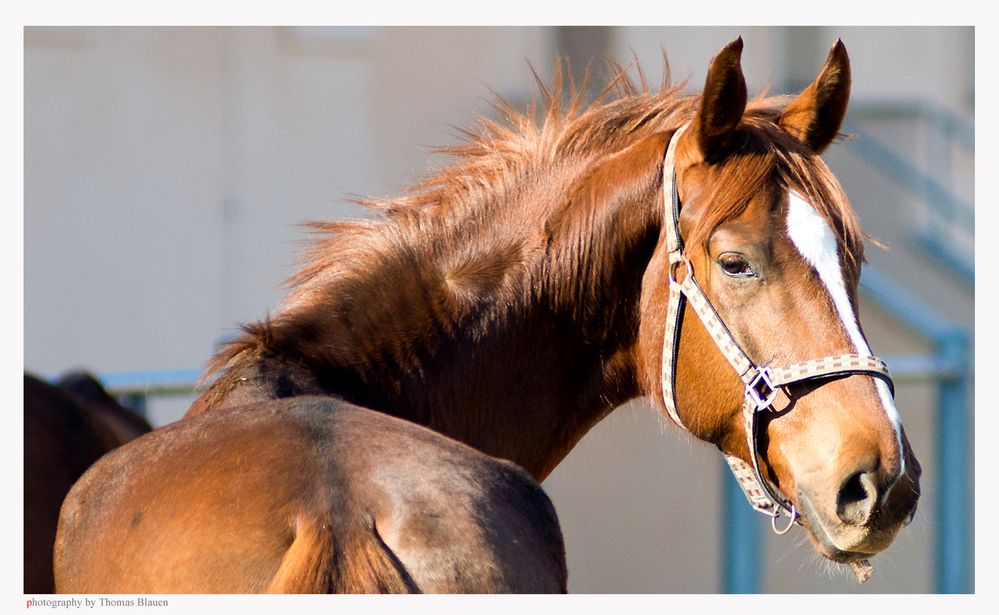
(722, 103)
(815, 116)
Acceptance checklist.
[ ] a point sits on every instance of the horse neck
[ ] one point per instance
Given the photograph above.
(516, 343)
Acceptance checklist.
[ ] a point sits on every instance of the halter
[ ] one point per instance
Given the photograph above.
(763, 384)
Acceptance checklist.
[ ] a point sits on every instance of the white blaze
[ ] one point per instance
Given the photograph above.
(814, 239)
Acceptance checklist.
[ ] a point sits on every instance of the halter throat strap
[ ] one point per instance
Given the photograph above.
(764, 385)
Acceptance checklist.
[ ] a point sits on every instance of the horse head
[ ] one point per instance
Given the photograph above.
(775, 249)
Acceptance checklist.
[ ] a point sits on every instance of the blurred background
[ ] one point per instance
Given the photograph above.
(168, 171)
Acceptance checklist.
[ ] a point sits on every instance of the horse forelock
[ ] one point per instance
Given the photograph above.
(768, 155)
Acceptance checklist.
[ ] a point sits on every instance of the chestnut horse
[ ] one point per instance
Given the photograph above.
(67, 427)
(567, 262)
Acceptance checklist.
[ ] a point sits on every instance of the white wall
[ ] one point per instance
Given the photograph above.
(690, 49)
(167, 170)
(922, 63)
(123, 192)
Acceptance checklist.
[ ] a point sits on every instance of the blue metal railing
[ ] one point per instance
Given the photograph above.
(950, 364)
(952, 355)
(905, 175)
(946, 131)
(133, 388)
(949, 125)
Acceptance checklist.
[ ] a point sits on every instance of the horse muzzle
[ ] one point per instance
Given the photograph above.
(864, 515)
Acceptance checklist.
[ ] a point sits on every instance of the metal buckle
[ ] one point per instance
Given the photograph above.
(761, 390)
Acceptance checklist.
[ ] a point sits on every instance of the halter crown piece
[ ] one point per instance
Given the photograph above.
(763, 384)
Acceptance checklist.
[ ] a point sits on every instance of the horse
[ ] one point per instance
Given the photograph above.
(693, 249)
(67, 427)
(124, 424)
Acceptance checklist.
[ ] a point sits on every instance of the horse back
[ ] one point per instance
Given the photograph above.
(305, 495)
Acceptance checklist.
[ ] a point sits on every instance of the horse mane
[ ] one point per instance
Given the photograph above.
(459, 224)
(496, 157)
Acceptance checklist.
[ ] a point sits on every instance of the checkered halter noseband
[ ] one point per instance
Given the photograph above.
(764, 385)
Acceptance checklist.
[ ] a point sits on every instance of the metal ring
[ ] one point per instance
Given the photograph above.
(773, 522)
(682, 261)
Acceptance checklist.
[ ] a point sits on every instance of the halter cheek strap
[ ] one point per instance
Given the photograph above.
(763, 384)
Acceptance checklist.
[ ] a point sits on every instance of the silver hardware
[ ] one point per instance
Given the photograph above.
(761, 390)
(793, 516)
(683, 261)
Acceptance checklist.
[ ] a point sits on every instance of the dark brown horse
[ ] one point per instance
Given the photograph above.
(515, 299)
(67, 427)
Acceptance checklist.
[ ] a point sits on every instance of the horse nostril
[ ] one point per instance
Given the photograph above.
(856, 499)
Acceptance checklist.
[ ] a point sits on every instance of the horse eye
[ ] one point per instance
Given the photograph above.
(735, 265)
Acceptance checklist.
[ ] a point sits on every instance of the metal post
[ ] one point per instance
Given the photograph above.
(741, 541)
(954, 498)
